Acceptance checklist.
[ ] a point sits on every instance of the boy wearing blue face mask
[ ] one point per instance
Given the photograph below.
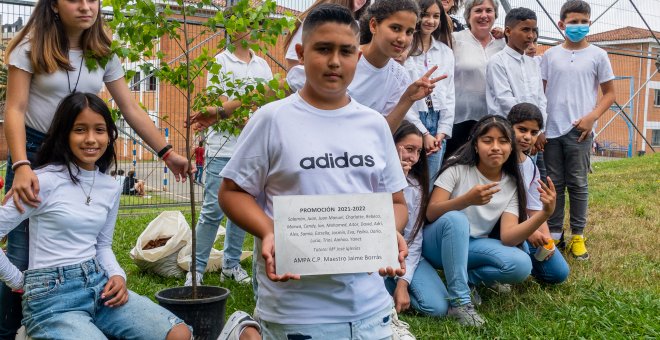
(572, 73)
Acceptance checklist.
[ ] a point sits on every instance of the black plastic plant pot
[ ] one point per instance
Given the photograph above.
(206, 314)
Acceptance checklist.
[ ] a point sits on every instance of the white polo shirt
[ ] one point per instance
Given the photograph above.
(573, 78)
(221, 143)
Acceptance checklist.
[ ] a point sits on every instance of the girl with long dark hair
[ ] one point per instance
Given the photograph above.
(73, 286)
(431, 47)
(63, 48)
(479, 189)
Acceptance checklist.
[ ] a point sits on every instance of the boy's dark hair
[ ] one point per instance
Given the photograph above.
(467, 155)
(55, 148)
(113, 173)
(420, 172)
(326, 13)
(574, 6)
(517, 15)
(523, 112)
(442, 33)
(120, 172)
(381, 10)
(201, 143)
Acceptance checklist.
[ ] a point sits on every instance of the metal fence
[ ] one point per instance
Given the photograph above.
(628, 31)
(623, 27)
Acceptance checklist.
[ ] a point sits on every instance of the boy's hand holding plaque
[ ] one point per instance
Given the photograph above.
(334, 234)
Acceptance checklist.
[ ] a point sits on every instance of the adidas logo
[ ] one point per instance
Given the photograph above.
(328, 161)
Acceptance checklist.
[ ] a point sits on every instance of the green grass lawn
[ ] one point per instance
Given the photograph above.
(615, 295)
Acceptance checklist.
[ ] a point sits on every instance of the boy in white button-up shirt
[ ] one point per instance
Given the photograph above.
(511, 76)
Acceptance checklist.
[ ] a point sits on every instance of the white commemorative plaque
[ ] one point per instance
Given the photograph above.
(334, 234)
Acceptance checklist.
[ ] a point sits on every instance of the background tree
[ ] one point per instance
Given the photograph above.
(139, 26)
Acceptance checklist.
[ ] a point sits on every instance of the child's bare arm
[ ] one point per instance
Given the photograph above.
(542, 235)
(513, 233)
(242, 209)
(202, 120)
(586, 123)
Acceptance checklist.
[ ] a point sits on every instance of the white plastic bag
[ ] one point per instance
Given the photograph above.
(215, 258)
(162, 260)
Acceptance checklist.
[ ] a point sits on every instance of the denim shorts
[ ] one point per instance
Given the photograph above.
(376, 326)
(65, 303)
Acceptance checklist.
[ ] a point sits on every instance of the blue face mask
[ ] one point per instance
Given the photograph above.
(577, 32)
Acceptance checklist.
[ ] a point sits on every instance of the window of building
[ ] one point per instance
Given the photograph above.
(655, 137)
(135, 83)
(151, 83)
(656, 101)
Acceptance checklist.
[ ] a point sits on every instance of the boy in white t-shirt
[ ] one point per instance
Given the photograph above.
(572, 73)
(245, 66)
(270, 160)
(511, 76)
(527, 122)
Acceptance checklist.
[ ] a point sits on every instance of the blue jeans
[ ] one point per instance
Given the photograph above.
(199, 173)
(65, 303)
(17, 247)
(567, 163)
(376, 326)
(554, 270)
(490, 262)
(210, 218)
(430, 121)
(445, 246)
(428, 294)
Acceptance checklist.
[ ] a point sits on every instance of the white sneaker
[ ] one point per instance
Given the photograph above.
(466, 315)
(199, 278)
(22, 334)
(235, 325)
(400, 329)
(237, 274)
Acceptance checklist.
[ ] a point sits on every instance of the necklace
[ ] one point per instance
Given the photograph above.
(77, 80)
(88, 194)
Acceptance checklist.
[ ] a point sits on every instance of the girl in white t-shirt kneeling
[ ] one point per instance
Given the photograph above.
(479, 187)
